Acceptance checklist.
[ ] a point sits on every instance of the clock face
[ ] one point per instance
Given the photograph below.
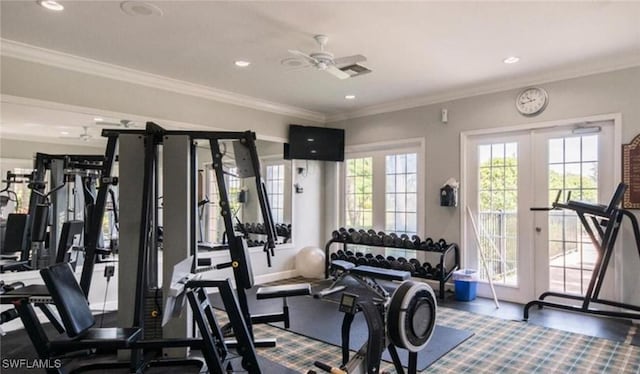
(532, 101)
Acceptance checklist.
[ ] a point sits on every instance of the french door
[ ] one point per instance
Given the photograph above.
(529, 252)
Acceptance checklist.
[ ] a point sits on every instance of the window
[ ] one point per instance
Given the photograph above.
(215, 225)
(359, 192)
(234, 186)
(498, 210)
(401, 193)
(573, 168)
(275, 191)
(381, 189)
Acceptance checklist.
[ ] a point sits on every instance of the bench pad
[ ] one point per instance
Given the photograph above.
(380, 273)
(300, 289)
(342, 265)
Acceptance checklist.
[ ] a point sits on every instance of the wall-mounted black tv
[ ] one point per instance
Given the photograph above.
(316, 143)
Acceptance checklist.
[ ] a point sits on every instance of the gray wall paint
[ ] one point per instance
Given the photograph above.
(597, 94)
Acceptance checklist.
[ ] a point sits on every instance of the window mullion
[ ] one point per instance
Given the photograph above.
(379, 192)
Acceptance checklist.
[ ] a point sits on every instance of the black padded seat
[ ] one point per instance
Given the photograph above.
(76, 315)
(342, 265)
(379, 273)
(98, 338)
(270, 292)
(13, 265)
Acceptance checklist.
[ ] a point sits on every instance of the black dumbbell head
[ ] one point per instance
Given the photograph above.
(355, 236)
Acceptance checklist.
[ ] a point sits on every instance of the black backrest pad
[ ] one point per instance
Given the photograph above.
(69, 299)
(14, 236)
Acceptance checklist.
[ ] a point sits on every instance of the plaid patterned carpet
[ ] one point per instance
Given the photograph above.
(498, 346)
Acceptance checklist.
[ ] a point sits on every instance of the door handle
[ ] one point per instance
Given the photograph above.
(538, 229)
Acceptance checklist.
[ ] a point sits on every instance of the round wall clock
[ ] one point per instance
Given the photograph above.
(532, 101)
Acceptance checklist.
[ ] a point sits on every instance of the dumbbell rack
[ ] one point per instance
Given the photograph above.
(254, 230)
(449, 258)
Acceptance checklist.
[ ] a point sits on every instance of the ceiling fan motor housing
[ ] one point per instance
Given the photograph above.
(324, 59)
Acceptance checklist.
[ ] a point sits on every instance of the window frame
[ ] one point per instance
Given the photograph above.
(378, 152)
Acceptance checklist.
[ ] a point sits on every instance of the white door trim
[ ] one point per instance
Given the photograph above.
(617, 162)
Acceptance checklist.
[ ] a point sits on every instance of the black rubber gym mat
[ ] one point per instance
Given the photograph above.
(321, 320)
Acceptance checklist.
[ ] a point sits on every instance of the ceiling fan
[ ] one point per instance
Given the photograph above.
(84, 136)
(341, 68)
(127, 124)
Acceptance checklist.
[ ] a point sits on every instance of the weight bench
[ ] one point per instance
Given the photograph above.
(363, 274)
(271, 292)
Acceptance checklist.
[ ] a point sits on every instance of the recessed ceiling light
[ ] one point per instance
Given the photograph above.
(511, 60)
(242, 63)
(51, 5)
(98, 119)
(310, 139)
(350, 97)
(140, 8)
(314, 151)
(64, 132)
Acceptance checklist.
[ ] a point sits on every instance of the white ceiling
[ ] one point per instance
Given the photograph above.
(415, 49)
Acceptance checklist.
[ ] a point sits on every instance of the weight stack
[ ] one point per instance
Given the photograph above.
(152, 314)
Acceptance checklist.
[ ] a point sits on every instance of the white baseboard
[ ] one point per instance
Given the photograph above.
(272, 277)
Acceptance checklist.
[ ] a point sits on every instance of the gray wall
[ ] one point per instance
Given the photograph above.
(597, 94)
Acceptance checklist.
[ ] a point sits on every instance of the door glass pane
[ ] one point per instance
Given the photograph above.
(574, 168)
(359, 192)
(401, 196)
(498, 209)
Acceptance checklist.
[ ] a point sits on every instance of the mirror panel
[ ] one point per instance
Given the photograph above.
(243, 195)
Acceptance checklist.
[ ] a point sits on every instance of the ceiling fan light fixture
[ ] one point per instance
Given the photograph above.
(242, 63)
(350, 97)
(511, 60)
(51, 5)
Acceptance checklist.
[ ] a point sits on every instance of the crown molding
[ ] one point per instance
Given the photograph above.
(67, 61)
(489, 88)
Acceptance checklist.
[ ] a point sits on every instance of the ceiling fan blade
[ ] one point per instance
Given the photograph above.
(103, 123)
(304, 55)
(331, 69)
(349, 60)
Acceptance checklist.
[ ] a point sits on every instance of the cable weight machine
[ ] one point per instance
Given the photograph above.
(602, 224)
